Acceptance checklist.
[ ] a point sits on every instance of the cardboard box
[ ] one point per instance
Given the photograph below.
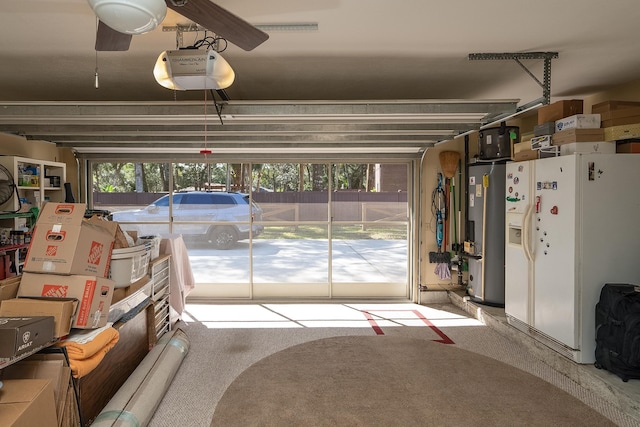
(577, 135)
(92, 292)
(607, 106)
(9, 288)
(36, 369)
(601, 147)
(559, 110)
(66, 402)
(62, 309)
(21, 335)
(578, 121)
(520, 146)
(628, 147)
(525, 155)
(618, 133)
(27, 403)
(619, 117)
(620, 121)
(543, 129)
(64, 243)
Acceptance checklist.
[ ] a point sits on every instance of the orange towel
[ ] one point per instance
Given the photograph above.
(83, 358)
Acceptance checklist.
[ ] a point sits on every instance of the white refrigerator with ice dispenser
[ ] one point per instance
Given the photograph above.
(571, 226)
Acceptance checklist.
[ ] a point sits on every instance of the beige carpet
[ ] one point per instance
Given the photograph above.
(393, 381)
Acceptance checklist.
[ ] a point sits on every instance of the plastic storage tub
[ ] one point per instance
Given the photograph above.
(128, 265)
(152, 243)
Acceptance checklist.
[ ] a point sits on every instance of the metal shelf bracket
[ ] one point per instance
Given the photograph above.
(547, 56)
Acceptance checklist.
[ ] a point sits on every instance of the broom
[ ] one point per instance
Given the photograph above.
(449, 163)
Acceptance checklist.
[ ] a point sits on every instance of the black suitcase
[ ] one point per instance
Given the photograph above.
(618, 330)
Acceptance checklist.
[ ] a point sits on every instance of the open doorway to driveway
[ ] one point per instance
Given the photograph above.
(273, 230)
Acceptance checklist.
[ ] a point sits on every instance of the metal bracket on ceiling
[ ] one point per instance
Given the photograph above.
(547, 56)
(181, 29)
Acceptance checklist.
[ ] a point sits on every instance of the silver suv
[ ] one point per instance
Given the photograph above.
(222, 218)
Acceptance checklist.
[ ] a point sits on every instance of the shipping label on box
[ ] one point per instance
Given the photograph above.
(93, 293)
(578, 121)
(23, 334)
(64, 243)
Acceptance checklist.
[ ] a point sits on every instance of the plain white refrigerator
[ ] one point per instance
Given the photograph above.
(572, 225)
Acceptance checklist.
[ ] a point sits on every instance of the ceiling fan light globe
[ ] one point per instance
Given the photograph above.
(130, 16)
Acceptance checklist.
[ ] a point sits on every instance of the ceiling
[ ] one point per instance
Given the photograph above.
(376, 76)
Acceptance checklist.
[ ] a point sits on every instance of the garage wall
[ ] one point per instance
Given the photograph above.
(431, 165)
(14, 145)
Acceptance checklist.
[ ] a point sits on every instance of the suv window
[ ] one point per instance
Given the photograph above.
(222, 199)
(164, 200)
(206, 201)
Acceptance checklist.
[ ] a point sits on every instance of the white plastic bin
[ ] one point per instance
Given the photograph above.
(128, 265)
(152, 243)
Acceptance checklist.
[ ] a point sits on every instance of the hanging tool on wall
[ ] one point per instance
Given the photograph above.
(449, 164)
(439, 209)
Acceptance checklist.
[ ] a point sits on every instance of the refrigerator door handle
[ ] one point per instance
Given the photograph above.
(526, 229)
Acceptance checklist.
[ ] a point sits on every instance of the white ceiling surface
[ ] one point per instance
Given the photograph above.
(362, 50)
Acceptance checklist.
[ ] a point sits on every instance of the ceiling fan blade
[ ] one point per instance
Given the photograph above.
(110, 40)
(222, 22)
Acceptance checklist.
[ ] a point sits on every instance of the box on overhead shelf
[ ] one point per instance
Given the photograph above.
(64, 243)
(22, 334)
(521, 146)
(602, 147)
(543, 129)
(577, 135)
(539, 142)
(607, 106)
(93, 293)
(628, 147)
(62, 310)
(619, 133)
(28, 403)
(525, 155)
(578, 121)
(624, 116)
(559, 110)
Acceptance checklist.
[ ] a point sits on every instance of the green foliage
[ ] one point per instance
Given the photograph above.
(154, 177)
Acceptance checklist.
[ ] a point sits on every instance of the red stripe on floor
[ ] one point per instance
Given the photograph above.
(378, 330)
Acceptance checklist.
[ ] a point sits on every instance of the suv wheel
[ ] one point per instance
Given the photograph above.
(223, 237)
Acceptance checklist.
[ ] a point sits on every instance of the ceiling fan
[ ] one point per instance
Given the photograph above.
(119, 20)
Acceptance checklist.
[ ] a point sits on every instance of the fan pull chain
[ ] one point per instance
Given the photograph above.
(96, 83)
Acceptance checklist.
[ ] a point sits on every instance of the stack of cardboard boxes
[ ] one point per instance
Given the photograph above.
(64, 285)
(563, 128)
(621, 123)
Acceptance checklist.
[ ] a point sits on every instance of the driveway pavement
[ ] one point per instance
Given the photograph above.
(302, 261)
